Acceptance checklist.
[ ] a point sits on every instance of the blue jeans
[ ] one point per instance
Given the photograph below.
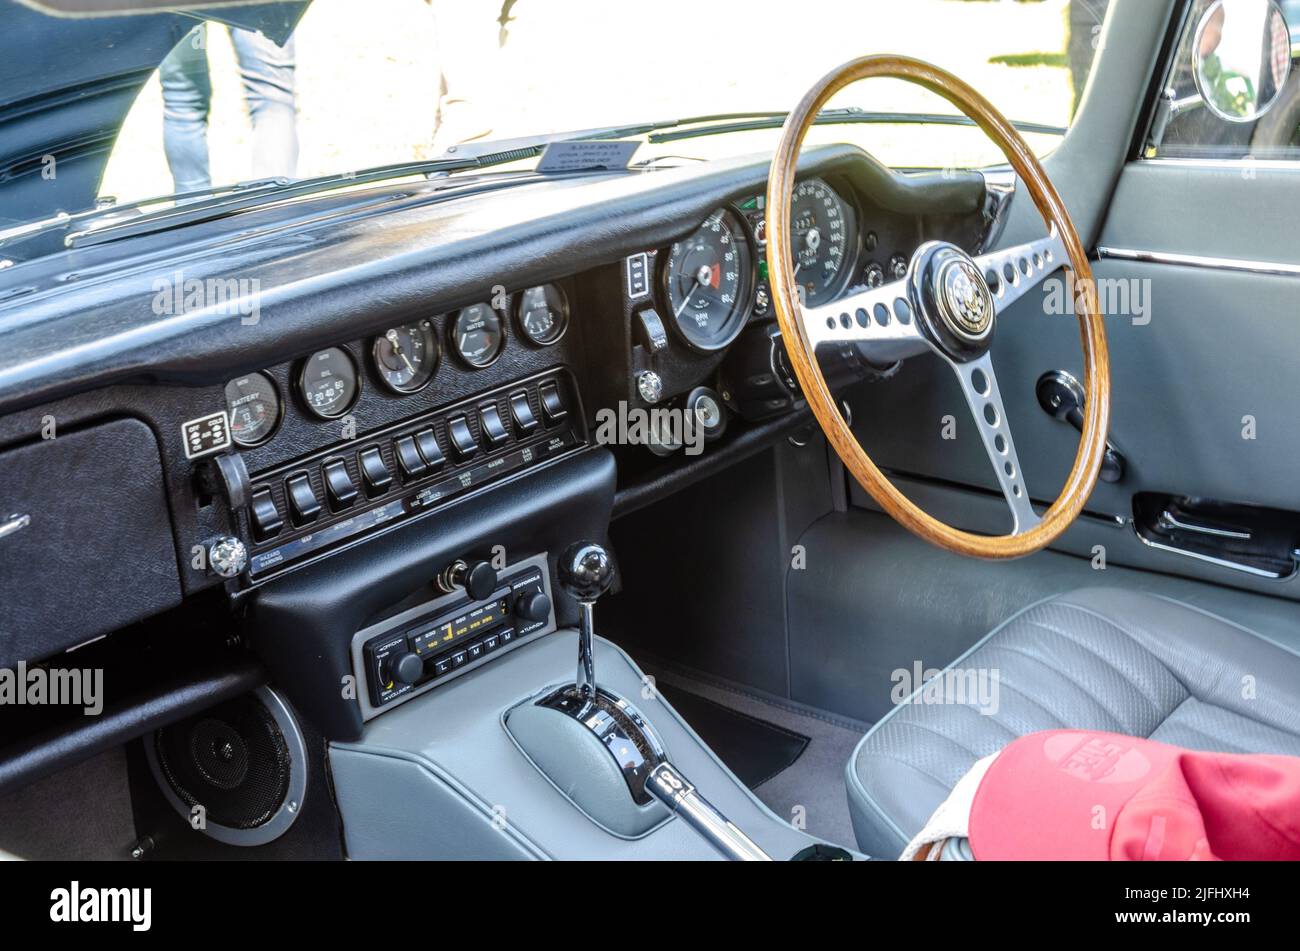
(267, 74)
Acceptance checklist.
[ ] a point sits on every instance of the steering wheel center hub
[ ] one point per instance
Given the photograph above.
(965, 302)
(954, 300)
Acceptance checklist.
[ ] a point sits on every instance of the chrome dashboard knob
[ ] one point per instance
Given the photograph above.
(650, 386)
(227, 556)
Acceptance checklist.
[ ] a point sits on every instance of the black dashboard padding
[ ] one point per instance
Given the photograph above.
(326, 273)
(97, 553)
(301, 625)
(166, 701)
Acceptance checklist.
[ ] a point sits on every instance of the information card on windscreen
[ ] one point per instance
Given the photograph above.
(584, 155)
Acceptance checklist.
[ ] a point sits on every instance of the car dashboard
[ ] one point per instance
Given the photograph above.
(385, 357)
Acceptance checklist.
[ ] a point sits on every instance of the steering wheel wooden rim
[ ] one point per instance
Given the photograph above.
(789, 311)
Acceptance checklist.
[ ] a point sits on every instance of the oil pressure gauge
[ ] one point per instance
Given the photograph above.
(328, 383)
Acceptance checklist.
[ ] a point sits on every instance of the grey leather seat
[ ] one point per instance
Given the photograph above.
(1099, 658)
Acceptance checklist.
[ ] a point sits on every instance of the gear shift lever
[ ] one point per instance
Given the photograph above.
(615, 743)
(586, 572)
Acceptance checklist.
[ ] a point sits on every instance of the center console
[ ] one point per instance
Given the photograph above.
(443, 776)
(465, 716)
(522, 759)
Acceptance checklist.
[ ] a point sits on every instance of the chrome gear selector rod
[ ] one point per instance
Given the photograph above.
(586, 572)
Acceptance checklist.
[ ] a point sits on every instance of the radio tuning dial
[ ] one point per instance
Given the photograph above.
(533, 606)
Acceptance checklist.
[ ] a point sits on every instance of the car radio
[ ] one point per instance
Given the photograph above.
(403, 656)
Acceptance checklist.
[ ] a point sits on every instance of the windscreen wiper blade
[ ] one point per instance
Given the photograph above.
(111, 208)
(843, 116)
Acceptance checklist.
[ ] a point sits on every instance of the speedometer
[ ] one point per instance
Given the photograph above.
(823, 231)
(708, 282)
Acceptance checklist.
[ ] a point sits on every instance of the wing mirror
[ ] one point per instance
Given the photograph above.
(1242, 56)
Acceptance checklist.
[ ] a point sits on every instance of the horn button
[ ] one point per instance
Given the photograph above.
(956, 306)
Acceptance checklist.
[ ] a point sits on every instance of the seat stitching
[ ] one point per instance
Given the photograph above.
(1146, 632)
(1129, 680)
(1068, 679)
(1195, 609)
(1024, 693)
(942, 736)
(924, 772)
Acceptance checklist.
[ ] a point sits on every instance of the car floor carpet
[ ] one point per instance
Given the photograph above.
(792, 756)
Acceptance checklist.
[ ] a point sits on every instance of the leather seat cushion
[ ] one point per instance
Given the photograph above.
(1099, 658)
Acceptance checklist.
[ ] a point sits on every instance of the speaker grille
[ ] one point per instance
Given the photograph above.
(231, 759)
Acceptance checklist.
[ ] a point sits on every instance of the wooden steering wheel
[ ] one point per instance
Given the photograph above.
(947, 304)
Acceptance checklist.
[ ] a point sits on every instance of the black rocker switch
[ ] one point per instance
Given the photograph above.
(303, 504)
(374, 473)
(427, 443)
(339, 488)
(522, 413)
(264, 515)
(552, 405)
(462, 440)
(494, 431)
(409, 458)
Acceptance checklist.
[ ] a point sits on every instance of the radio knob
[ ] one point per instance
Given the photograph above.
(533, 606)
(404, 667)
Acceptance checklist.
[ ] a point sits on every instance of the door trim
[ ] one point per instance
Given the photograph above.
(1200, 260)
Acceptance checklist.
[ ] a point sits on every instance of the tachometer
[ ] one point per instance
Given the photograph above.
(254, 407)
(328, 382)
(823, 230)
(478, 335)
(407, 356)
(708, 282)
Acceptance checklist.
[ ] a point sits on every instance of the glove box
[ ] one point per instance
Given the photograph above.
(85, 538)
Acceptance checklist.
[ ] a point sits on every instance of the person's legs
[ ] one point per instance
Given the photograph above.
(468, 36)
(187, 95)
(267, 73)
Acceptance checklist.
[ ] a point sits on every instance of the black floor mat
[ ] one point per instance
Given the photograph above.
(753, 749)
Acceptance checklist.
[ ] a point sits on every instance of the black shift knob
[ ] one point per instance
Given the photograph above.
(586, 571)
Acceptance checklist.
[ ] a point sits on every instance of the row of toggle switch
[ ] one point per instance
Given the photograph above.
(417, 455)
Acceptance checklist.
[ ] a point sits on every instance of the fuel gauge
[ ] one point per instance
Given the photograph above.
(543, 314)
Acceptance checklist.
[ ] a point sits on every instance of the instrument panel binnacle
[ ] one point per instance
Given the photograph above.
(712, 283)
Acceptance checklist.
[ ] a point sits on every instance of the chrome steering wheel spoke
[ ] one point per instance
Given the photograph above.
(1013, 272)
(880, 318)
(980, 386)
